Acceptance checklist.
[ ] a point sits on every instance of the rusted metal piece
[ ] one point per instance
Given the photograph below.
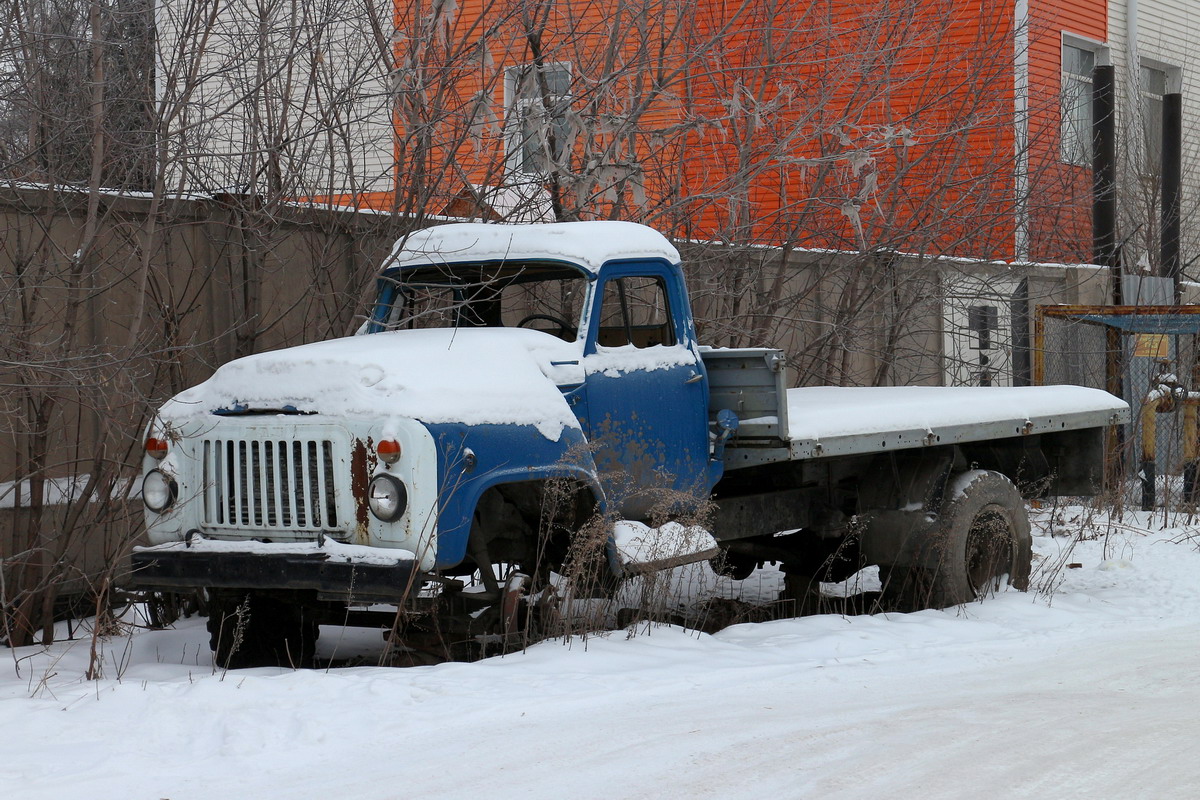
(510, 603)
(1078, 314)
(1130, 311)
(360, 476)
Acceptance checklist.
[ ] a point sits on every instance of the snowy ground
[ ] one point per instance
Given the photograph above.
(1090, 690)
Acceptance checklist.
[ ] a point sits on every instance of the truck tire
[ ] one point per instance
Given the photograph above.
(248, 629)
(980, 536)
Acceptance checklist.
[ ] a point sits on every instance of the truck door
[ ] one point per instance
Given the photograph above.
(647, 390)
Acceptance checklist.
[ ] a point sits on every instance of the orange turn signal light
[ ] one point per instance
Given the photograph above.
(388, 451)
(156, 448)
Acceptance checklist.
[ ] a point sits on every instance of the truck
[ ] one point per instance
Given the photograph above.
(526, 402)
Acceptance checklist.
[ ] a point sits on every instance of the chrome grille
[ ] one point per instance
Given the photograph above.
(270, 484)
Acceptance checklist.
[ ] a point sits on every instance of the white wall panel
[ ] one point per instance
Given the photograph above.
(277, 96)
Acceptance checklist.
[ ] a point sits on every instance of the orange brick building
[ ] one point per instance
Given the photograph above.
(934, 126)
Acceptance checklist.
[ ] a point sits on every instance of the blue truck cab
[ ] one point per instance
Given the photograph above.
(605, 307)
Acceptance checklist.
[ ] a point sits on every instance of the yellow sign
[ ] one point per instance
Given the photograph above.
(1151, 345)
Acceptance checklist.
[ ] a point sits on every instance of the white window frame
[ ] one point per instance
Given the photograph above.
(1075, 102)
(520, 107)
(1152, 119)
(1151, 110)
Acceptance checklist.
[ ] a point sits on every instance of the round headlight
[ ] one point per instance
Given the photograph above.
(387, 498)
(158, 491)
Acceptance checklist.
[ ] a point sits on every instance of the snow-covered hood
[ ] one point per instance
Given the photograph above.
(469, 375)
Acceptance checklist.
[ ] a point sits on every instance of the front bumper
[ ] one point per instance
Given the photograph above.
(334, 571)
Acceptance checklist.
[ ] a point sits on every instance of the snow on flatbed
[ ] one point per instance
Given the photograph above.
(839, 420)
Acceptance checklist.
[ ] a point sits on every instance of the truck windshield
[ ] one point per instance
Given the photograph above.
(545, 297)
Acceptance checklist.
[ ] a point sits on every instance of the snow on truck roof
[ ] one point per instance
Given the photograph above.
(588, 244)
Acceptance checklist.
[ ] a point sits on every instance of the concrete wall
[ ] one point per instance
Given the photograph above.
(880, 319)
(105, 315)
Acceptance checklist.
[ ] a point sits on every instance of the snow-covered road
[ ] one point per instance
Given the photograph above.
(1092, 693)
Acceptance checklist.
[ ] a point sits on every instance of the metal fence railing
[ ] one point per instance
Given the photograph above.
(1146, 355)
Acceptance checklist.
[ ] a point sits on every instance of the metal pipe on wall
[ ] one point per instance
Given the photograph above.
(1104, 174)
(1172, 189)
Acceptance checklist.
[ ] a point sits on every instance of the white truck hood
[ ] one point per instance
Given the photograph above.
(474, 376)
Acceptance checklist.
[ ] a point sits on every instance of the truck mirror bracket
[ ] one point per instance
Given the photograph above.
(727, 425)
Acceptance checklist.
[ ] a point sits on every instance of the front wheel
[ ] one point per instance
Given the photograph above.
(981, 539)
(251, 629)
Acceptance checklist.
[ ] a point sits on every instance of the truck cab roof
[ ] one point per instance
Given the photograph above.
(589, 245)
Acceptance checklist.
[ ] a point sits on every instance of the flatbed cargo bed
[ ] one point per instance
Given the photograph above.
(827, 421)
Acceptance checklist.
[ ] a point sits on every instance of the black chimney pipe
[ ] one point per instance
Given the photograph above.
(1172, 189)
(1104, 175)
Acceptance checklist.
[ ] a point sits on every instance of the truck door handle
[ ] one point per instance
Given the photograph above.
(695, 377)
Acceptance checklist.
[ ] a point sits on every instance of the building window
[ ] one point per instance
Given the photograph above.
(1076, 128)
(537, 101)
(1154, 86)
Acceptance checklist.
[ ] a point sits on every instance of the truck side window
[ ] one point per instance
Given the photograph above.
(634, 311)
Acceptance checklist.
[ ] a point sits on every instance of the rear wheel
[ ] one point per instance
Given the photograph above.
(980, 540)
